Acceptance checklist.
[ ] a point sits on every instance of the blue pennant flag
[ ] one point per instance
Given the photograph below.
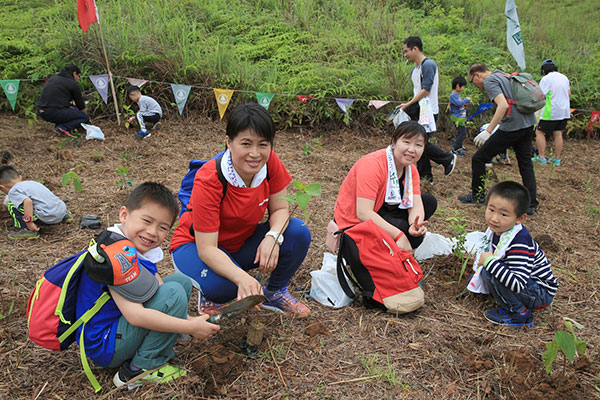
(480, 109)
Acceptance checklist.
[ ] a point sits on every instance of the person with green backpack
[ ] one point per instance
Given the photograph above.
(516, 97)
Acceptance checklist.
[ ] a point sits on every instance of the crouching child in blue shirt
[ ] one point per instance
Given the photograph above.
(136, 329)
(515, 270)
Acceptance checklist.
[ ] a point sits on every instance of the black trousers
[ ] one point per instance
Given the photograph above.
(520, 141)
(399, 217)
(431, 153)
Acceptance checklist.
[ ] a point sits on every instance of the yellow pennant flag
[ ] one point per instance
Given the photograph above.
(223, 97)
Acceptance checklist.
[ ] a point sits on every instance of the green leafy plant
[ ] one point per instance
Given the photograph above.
(387, 373)
(565, 342)
(307, 148)
(70, 178)
(10, 309)
(31, 115)
(125, 180)
(459, 231)
(127, 113)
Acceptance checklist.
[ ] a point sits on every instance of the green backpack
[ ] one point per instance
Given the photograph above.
(527, 95)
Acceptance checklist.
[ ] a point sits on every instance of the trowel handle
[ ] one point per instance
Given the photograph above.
(215, 318)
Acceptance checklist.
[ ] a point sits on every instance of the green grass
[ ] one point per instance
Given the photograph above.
(334, 48)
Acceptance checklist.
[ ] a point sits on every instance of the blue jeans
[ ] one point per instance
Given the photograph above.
(219, 289)
(532, 296)
(149, 349)
(65, 118)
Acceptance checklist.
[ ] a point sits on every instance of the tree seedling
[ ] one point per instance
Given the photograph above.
(565, 342)
(125, 180)
(72, 179)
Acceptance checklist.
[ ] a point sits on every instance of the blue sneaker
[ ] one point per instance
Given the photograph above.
(458, 152)
(283, 302)
(538, 160)
(504, 317)
(143, 134)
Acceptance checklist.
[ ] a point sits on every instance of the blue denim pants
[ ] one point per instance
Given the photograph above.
(219, 289)
(149, 349)
(532, 296)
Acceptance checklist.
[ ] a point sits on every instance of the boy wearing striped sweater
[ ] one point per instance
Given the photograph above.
(515, 269)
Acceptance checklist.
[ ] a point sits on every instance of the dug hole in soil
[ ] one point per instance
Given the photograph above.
(445, 350)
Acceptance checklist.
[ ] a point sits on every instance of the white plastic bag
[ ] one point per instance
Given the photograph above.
(93, 132)
(400, 117)
(325, 287)
(433, 244)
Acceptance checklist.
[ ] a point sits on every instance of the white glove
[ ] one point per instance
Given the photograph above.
(482, 138)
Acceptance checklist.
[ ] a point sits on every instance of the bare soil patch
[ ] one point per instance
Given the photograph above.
(446, 350)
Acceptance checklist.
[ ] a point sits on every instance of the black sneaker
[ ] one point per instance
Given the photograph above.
(450, 167)
(469, 198)
(532, 210)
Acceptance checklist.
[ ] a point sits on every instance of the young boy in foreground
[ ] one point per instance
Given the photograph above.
(137, 328)
(29, 202)
(515, 269)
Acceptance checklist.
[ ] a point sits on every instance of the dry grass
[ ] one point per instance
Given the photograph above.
(446, 350)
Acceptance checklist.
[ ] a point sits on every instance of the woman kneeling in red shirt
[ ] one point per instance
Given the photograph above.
(228, 238)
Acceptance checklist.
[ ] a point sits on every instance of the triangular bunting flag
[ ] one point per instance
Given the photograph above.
(181, 93)
(303, 99)
(223, 97)
(595, 117)
(482, 108)
(264, 99)
(87, 13)
(344, 104)
(11, 89)
(377, 103)
(101, 84)
(137, 82)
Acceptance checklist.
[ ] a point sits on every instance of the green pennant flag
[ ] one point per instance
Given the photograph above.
(264, 99)
(11, 88)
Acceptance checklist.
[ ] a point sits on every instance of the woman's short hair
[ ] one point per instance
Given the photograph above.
(251, 116)
(409, 129)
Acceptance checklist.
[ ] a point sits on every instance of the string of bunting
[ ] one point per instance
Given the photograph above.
(223, 96)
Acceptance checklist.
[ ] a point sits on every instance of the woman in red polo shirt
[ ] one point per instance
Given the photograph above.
(384, 186)
(228, 237)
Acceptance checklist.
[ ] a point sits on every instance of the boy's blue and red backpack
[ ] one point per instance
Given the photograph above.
(51, 311)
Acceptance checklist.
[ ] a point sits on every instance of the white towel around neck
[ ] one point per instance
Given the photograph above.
(392, 188)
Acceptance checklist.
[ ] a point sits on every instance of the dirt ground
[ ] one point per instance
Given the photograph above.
(445, 350)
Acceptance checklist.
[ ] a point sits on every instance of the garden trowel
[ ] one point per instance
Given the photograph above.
(236, 307)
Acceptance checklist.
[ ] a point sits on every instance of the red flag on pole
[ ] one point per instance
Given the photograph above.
(595, 117)
(87, 13)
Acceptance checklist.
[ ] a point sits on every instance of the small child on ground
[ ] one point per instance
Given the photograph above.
(149, 111)
(515, 270)
(458, 113)
(30, 204)
(137, 328)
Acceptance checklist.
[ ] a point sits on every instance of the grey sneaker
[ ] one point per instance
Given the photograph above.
(24, 234)
(156, 126)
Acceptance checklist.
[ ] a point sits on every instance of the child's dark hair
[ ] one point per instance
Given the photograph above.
(409, 129)
(414, 41)
(459, 81)
(133, 89)
(7, 174)
(154, 192)
(548, 66)
(515, 193)
(251, 116)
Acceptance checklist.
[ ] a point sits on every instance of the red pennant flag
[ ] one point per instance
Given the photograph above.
(87, 13)
(303, 99)
(595, 117)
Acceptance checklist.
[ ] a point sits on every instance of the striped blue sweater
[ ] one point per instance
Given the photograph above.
(523, 260)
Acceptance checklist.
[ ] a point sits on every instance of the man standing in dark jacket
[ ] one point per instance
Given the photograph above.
(55, 102)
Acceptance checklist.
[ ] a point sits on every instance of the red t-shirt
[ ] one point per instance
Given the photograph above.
(236, 217)
(367, 179)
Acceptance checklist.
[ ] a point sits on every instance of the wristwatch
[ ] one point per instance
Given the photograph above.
(27, 218)
(275, 235)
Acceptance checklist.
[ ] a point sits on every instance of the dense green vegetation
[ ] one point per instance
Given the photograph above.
(325, 48)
